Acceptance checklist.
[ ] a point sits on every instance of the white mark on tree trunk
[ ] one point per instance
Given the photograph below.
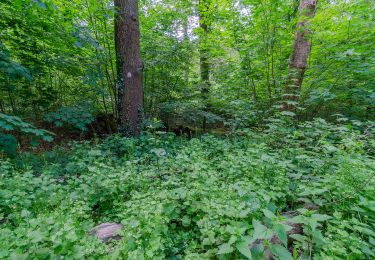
(129, 75)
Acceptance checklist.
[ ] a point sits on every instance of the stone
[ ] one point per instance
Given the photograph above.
(107, 231)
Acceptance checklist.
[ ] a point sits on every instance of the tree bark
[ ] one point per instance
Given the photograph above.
(129, 67)
(203, 57)
(300, 54)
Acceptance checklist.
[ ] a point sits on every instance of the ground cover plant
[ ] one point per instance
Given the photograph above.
(201, 198)
(187, 129)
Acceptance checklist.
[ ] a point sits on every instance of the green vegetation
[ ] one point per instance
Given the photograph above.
(207, 197)
(202, 129)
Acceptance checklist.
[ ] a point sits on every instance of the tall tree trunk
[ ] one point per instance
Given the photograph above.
(129, 67)
(203, 57)
(300, 54)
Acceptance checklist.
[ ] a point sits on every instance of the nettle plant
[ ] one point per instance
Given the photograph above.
(201, 198)
(11, 124)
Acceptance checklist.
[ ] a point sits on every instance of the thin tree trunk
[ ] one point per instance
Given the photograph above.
(187, 41)
(273, 57)
(203, 58)
(113, 71)
(300, 54)
(129, 67)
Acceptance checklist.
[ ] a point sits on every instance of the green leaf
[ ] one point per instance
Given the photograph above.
(34, 143)
(225, 249)
(320, 217)
(58, 123)
(317, 238)
(6, 126)
(298, 219)
(36, 236)
(281, 252)
(47, 138)
(269, 214)
(281, 233)
(261, 231)
(8, 144)
(288, 113)
(243, 248)
(298, 237)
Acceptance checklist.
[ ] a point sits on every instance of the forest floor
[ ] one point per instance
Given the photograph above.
(201, 198)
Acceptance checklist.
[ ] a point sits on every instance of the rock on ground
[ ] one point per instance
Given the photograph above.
(107, 231)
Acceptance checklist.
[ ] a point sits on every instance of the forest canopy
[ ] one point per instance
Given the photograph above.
(202, 129)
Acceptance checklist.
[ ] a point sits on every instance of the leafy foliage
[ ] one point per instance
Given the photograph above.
(78, 117)
(54, 55)
(208, 197)
(200, 198)
(8, 143)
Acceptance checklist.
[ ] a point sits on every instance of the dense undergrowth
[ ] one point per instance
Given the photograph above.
(208, 197)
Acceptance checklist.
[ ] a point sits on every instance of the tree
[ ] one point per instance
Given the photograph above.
(129, 67)
(203, 9)
(300, 53)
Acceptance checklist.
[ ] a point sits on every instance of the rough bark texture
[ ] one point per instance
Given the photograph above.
(129, 67)
(203, 56)
(300, 54)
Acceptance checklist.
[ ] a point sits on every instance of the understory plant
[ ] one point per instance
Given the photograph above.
(201, 198)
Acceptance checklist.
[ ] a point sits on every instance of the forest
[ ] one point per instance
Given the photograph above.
(187, 129)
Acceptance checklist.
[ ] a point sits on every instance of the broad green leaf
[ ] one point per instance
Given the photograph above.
(281, 252)
(320, 217)
(317, 238)
(244, 249)
(36, 236)
(225, 249)
(281, 233)
(261, 231)
(298, 219)
(269, 214)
